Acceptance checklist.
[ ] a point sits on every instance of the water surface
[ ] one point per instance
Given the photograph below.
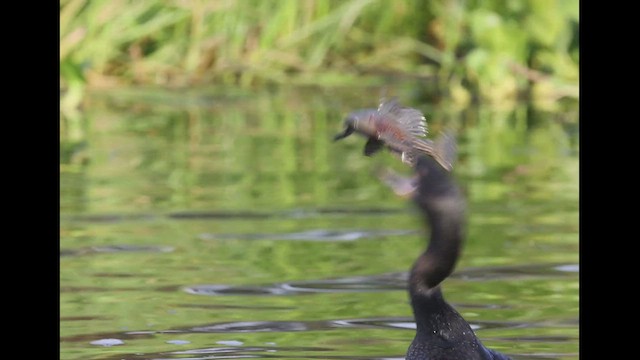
(211, 226)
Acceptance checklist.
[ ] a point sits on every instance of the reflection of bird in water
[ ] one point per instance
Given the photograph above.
(400, 129)
(441, 333)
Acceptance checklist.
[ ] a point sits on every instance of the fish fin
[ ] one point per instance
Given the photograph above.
(408, 158)
(447, 149)
(347, 131)
(401, 186)
(443, 150)
(413, 121)
(372, 146)
(386, 105)
(410, 119)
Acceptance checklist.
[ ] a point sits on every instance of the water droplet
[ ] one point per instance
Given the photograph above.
(230, 342)
(178, 342)
(568, 268)
(107, 342)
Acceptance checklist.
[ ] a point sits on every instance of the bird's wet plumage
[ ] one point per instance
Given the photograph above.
(399, 129)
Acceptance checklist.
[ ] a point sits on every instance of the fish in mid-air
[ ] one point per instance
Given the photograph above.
(399, 129)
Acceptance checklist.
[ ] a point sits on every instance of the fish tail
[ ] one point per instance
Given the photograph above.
(443, 150)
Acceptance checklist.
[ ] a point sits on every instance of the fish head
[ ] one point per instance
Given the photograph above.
(362, 121)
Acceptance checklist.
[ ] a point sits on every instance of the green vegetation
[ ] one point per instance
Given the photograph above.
(493, 50)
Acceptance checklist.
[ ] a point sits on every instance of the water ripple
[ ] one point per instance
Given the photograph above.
(400, 323)
(516, 272)
(379, 282)
(385, 282)
(119, 248)
(289, 352)
(225, 306)
(311, 235)
(239, 215)
(235, 348)
(395, 323)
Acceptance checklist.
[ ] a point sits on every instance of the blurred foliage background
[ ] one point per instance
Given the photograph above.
(492, 50)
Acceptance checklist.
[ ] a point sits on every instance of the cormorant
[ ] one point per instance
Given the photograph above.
(441, 333)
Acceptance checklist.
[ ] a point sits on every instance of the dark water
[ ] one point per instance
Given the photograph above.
(226, 226)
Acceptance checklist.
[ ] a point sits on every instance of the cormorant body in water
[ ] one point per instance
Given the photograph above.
(441, 332)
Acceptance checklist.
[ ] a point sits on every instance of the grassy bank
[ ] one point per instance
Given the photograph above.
(494, 49)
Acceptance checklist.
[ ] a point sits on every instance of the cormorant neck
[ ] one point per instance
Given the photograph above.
(444, 215)
(441, 333)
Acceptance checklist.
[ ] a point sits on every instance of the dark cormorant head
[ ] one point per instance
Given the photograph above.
(434, 183)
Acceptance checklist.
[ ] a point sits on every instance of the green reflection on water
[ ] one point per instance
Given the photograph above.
(270, 157)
